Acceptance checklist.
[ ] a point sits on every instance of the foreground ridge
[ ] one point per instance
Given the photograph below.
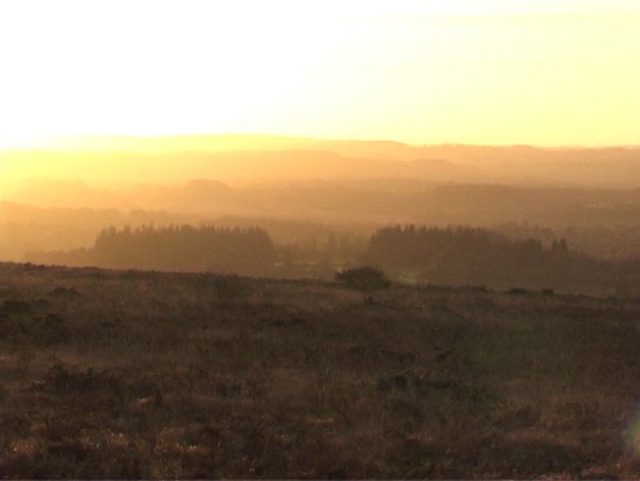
(147, 374)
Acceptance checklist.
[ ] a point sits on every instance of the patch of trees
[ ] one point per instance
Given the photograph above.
(615, 242)
(476, 257)
(244, 250)
(186, 248)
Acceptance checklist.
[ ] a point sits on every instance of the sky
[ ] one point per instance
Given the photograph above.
(424, 72)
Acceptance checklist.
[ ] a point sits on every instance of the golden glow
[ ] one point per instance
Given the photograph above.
(493, 72)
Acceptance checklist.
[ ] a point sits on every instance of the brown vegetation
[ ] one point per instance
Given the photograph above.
(152, 375)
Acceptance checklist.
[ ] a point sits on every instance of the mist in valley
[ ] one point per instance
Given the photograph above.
(321, 202)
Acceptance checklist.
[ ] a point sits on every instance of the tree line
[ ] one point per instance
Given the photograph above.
(453, 256)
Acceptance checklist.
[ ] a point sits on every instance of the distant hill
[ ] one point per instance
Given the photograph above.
(72, 221)
(257, 158)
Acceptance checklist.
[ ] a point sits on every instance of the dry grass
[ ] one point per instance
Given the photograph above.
(149, 375)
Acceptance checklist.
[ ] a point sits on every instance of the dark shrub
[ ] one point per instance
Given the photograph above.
(366, 278)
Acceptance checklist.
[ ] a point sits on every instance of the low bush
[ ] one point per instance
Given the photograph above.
(365, 278)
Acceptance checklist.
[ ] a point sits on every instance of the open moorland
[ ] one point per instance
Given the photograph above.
(124, 374)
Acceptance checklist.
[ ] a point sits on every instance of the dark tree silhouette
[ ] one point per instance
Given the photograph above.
(476, 256)
(185, 248)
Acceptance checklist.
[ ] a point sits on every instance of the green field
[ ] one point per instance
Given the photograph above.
(158, 375)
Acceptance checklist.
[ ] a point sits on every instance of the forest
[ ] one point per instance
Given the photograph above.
(459, 256)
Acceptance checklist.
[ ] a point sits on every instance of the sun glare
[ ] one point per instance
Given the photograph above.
(563, 72)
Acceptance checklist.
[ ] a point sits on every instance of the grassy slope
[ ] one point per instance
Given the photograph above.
(161, 375)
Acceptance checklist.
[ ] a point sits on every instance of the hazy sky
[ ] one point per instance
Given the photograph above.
(490, 72)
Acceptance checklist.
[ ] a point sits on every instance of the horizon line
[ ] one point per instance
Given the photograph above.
(56, 143)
